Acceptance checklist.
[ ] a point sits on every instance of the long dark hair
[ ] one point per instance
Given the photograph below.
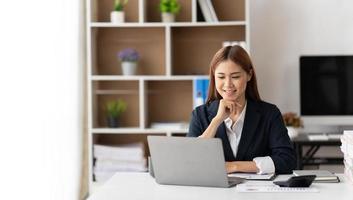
(239, 56)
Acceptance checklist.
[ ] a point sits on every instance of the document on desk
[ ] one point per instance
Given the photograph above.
(270, 187)
(318, 137)
(253, 176)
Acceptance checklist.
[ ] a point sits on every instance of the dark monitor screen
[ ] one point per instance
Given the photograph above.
(326, 85)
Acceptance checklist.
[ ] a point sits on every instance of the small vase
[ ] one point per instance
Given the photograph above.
(292, 132)
(129, 68)
(112, 122)
(168, 17)
(117, 17)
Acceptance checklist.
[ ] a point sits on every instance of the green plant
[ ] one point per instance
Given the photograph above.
(119, 4)
(170, 6)
(114, 108)
(291, 119)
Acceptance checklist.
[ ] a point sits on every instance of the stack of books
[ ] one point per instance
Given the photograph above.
(347, 149)
(112, 159)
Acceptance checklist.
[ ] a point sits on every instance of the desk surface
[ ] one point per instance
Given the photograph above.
(143, 186)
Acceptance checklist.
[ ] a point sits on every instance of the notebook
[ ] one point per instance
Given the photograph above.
(254, 176)
(321, 175)
(189, 161)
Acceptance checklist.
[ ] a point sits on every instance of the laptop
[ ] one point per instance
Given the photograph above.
(189, 161)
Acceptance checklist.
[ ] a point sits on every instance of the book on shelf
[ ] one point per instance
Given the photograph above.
(208, 11)
(212, 11)
(321, 175)
(200, 91)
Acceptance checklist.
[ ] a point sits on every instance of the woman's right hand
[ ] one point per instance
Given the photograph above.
(225, 109)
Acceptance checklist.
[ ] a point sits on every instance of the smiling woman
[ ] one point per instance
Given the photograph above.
(252, 131)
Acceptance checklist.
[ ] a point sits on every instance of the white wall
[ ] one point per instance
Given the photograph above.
(282, 30)
(41, 98)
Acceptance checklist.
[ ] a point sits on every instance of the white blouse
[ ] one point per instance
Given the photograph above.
(234, 130)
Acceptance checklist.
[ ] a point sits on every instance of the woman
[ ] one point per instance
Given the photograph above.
(252, 131)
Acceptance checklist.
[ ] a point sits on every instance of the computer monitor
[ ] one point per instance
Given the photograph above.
(326, 88)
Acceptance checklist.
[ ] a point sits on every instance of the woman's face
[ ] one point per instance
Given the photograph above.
(231, 80)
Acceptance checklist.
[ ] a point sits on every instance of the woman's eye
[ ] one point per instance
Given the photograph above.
(221, 77)
(236, 77)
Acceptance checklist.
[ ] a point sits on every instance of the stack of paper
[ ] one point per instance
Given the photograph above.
(169, 125)
(268, 186)
(253, 176)
(347, 149)
(111, 159)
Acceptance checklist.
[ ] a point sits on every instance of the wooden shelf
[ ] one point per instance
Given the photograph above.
(149, 42)
(164, 99)
(145, 78)
(100, 10)
(172, 57)
(233, 10)
(131, 96)
(153, 14)
(192, 54)
(160, 24)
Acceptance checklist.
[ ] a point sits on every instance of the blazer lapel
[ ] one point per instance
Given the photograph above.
(221, 132)
(252, 117)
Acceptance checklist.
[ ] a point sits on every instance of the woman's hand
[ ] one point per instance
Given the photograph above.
(241, 166)
(231, 167)
(226, 108)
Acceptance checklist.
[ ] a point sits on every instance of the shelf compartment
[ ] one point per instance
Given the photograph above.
(194, 47)
(227, 10)
(149, 43)
(104, 91)
(154, 15)
(101, 9)
(168, 101)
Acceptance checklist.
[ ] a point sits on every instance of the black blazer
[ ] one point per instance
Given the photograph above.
(263, 134)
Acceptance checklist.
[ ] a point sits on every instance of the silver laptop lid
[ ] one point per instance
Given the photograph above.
(188, 161)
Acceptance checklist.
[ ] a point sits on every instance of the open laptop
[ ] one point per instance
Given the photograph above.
(189, 161)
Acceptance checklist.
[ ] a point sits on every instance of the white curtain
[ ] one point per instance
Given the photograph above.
(41, 87)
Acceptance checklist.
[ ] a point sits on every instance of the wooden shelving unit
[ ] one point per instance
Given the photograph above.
(173, 56)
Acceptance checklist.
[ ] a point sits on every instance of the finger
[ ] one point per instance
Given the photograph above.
(234, 109)
(230, 108)
(238, 104)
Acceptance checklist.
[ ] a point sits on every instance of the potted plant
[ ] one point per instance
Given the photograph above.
(128, 58)
(114, 109)
(118, 15)
(169, 8)
(293, 123)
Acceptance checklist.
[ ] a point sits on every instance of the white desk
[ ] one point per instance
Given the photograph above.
(143, 186)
